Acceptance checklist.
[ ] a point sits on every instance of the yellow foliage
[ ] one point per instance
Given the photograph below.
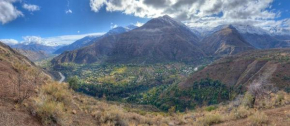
(119, 70)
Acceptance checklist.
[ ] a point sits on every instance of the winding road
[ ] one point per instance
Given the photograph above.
(62, 77)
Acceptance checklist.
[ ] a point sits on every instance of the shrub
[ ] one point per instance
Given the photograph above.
(259, 118)
(239, 113)
(279, 98)
(74, 83)
(51, 112)
(210, 108)
(248, 100)
(210, 119)
(58, 92)
(51, 105)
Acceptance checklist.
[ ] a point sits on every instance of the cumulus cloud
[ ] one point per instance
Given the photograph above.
(69, 11)
(31, 7)
(196, 13)
(97, 4)
(9, 41)
(8, 12)
(55, 41)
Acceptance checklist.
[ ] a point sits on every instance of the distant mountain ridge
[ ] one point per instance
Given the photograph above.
(77, 44)
(88, 40)
(36, 47)
(32, 55)
(257, 37)
(164, 39)
(226, 41)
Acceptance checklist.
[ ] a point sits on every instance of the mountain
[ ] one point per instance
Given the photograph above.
(260, 38)
(18, 75)
(88, 40)
(32, 55)
(278, 31)
(120, 30)
(77, 44)
(36, 47)
(257, 37)
(265, 41)
(264, 68)
(159, 40)
(227, 41)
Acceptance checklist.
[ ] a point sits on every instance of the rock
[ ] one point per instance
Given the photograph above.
(74, 112)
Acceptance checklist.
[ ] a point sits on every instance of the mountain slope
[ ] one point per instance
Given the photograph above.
(265, 41)
(159, 40)
(257, 37)
(18, 75)
(88, 40)
(36, 47)
(227, 41)
(32, 55)
(77, 44)
(263, 68)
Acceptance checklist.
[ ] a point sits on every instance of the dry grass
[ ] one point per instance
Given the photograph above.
(210, 119)
(55, 103)
(239, 113)
(49, 105)
(259, 118)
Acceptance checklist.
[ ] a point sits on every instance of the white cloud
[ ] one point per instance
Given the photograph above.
(69, 11)
(31, 7)
(96, 4)
(139, 24)
(32, 39)
(9, 41)
(113, 26)
(8, 12)
(57, 40)
(197, 12)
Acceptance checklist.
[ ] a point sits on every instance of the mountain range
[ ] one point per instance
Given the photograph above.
(164, 39)
(33, 55)
(88, 40)
(159, 40)
(36, 47)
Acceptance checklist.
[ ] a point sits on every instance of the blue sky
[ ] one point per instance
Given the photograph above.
(49, 20)
(52, 20)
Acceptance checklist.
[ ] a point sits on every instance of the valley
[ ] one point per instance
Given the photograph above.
(170, 68)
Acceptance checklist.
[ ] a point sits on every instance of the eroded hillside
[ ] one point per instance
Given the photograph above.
(268, 68)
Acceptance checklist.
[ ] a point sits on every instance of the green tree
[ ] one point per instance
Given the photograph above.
(74, 83)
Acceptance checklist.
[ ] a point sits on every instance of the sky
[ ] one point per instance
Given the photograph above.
(64, 21)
